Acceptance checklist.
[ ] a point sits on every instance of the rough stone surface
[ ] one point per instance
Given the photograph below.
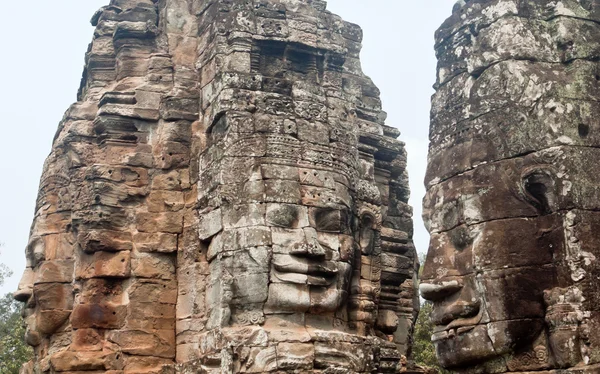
(512, 200)
(224, 197)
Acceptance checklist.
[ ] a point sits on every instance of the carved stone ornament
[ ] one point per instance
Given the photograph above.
(224, 197)
(512, 188)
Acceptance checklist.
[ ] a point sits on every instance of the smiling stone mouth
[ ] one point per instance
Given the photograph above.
(325, 268)
(451, 333)
(456, 327)
(303, 271)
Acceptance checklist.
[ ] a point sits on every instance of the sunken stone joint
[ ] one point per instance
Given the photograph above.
(224, 197)
(512, 201)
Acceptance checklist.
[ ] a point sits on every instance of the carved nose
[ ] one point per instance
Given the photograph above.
(25, 289)
(311, 246)
(309, 249)
(316, 250)
(439, 291)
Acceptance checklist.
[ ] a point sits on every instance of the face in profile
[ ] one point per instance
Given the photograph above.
(45, 287)
(497, 244)
(24, 294)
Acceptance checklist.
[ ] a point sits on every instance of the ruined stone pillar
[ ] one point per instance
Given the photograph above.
(224, 197)
(512, 188)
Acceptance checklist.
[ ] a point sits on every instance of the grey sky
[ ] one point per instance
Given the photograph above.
(44, 45)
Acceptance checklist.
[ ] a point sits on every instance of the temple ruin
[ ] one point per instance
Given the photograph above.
(513, 200)
(224, 197)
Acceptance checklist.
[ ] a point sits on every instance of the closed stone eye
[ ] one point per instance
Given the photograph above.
(460, 238)
(282, 215)
(35, 251)
(328, 220)
(538, 188)
(367, 235)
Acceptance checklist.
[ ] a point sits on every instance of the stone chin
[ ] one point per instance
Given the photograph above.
(304, 298)
(459, 348)
(32, 337)
(480, 344)
(326, 300)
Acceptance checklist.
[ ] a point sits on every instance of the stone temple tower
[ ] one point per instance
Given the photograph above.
(513, 201)
(224, 197)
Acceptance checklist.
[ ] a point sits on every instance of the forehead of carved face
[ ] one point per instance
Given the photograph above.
(501, 235)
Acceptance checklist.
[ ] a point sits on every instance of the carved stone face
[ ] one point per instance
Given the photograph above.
(45, 285)
(294, 233)
(25, 294)
(288, 238)
(312, 251)
(512, 250)
(513, 200)
(494, 245)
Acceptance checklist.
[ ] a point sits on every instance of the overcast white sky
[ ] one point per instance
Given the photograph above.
(44, 43)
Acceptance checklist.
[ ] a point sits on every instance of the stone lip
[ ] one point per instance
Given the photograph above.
(463, 324)
(310, 267)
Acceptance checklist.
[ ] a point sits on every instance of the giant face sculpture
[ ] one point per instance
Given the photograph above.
(45, 285)
(511, 201)
(291, 219)
(292, 237)
(490, 259)
(510, 261)
(309, 270)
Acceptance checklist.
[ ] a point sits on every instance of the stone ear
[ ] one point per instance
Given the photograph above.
(538, 185)
(367, 234)
(217, 129)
